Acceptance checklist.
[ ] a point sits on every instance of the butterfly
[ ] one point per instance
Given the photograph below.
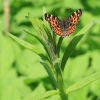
(64, 27)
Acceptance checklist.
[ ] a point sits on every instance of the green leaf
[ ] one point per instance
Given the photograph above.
(69, 50)
(38, 24)
(59, 45)
(50, 39)
(85, 29)
(51, 72)
(85, 81)
(73, 44)
(44, 11)
(44, 43)
(40, 40)
(29, 46)
(45, 95)
(43, 35)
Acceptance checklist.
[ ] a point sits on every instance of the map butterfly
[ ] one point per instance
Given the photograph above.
(64, 27)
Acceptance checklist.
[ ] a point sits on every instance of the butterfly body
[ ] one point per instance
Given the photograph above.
(65, 26)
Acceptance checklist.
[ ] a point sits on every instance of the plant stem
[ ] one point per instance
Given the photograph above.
(60, 82)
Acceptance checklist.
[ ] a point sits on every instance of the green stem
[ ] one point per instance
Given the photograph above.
(60, 82)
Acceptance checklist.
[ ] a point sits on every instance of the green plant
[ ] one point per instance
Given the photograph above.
(51, 60)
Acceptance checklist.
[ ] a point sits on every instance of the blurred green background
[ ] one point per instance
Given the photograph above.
(21, 74)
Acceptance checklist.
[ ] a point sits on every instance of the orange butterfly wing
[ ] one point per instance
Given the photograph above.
(73, 19)
(55, 23)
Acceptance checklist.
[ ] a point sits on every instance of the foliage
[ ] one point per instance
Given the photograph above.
(21, 76)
